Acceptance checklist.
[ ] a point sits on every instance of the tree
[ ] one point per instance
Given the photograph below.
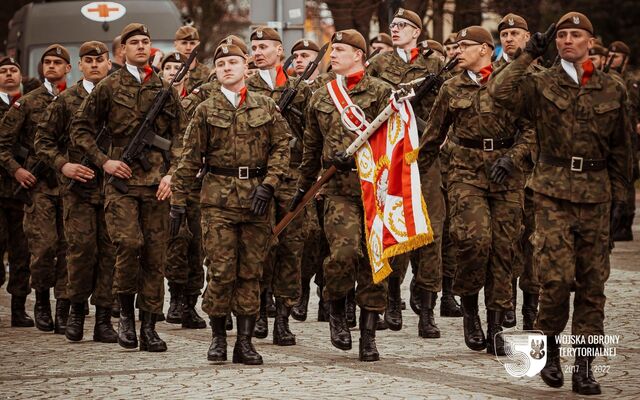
(467, 13)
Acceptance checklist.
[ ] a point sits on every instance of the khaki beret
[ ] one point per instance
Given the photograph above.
(512, 21)
(619, 47)
(228, 50)
(175, 57)
(451, 39)
(477, 34)
(409, 16)
(597, 50)
(574, 20)
(56, 50)
(187, 33)
(433, 45)
(351, 37)
(93, 48)
(9, 61)
(133, 29)
(265, 33)
(235, 40)
(382, 38)
(305, 44)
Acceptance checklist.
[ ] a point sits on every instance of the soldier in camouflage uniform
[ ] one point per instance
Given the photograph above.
(187, 38)
(403, 65)
(12, 237)
(43, 217)
(579, 181)
(382, 43)
(244, 142)
(90, 253)
(137, 220)
(324, 139)
(485, 185)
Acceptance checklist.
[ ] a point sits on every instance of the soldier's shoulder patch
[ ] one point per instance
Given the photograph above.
(196, 90)
(17, 105)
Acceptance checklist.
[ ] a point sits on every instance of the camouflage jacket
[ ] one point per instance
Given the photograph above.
(324, 134)
(7, 182)
(197, 76)
(121, 102)
(473, 114)
(571, 121)
(253, 135)
(197, 96)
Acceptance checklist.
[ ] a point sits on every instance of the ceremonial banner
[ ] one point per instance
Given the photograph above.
(396, 218)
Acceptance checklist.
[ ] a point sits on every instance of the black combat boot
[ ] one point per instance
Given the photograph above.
(299, 311)
(473, 334)
(552, 374)
(350, 308)
(393, 314)
(75, 323)
(340, 335)
(449, 307)
(218, 349)
(229, 323)
(175, 312)
(19, 317)
(149, 339)
(381, 324)
(368, 350)
(323, 307)
(271, 305)
(62, 314)
(115, 308)
(103, 331)
(282, 336)
(243, 351)
(583, 381)
(427, 327)
(262, 323)
(86, 307)
(510, 315)
(190, 318)
(529, 310)
(495, 341)
(414, 296)
(127, 325)
(42, 311)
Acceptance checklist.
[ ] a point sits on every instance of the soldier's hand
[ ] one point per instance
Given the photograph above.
(176, 216)
(164, 189)
(77, 172)
(617, 215)
(502, 168)
(261, 198)
(297, 198)
(118, 169)
(342, 162)
(537, 45)
(25, 178)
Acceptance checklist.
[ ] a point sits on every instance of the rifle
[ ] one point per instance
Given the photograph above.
(287, 64)
(101, 141)
(37, 170)
(375, 53)
(607, 67)
(145, 137)
(284, 104)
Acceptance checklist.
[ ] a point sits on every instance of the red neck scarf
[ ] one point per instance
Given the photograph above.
(183, 94)
(353, 79)
(148, 71)
(13, 99)
(243, 95)
(415, 52)
(61, 86)
(485, 73)
(281, 77)
(587, 71)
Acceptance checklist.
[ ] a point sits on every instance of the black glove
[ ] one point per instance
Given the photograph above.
(261, 197)
(342, 162)
(296, 199)
(176, 216)
(537, 45)
(501, 169)
(617, 216)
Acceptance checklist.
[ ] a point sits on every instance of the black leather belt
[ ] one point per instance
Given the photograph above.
(484, 144)
(576, 164)
(239, 172)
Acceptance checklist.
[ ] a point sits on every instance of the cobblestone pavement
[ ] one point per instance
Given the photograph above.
(35, 364)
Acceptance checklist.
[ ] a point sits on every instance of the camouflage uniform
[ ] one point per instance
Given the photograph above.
(235, 241)
(136, 221)
(197, 76)
(90, 253)
(587, 127)
(448, 252)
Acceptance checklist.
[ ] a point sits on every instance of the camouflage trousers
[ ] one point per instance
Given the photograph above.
(485, 227)
(571, 250)
(47, 245)
(14, 242)
(137, 224)
(235, 243)
(348, 262)
(448, 248)
(90, 253)
(282, 269)
(316, 248)
(184, 252)
(523, 266)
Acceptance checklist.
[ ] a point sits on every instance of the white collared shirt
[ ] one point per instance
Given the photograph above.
(49, 87)
(5, 97)
(506, 56)
(88, 85)
(570, 69)
(402, 54)
(233, 97)
(134, 71)
(266, 76)
(474, 77)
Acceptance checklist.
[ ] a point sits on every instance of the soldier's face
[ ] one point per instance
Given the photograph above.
(597, 60)
(451, 50)
(384, 48)
(471, 55)
(55, 68)
(266, 53)
(231, 70)
(344, 58)
(403, 32)
(95, 68)
(185, 46)
(10, 78)
(618, 59)
(137, 50)
(302, 58)
(513, 39)
(574, 44)
(170, 70)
